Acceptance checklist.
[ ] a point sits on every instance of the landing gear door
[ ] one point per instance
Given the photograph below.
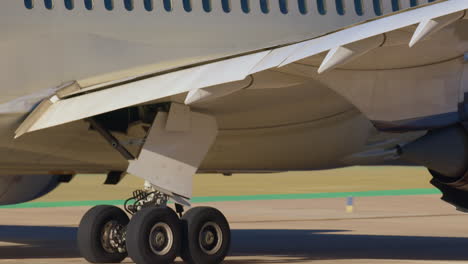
(170, 157)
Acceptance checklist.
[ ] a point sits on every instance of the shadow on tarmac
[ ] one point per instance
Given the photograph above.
(306, 245)
(28, 242)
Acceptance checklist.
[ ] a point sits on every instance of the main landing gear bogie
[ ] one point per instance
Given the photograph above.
(155, 234)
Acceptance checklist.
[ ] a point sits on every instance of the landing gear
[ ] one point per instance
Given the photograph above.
(155, 234)
(176, 144)
(101, 235)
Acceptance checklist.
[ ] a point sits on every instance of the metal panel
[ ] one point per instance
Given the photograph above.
(179, 119)
(176, 155)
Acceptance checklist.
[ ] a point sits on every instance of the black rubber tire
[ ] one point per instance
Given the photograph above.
(192, 223)
(138, 235)
(89, 233)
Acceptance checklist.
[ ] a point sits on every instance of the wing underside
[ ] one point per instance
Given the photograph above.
(212, 79)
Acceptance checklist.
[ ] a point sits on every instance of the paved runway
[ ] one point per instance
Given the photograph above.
(394, 229)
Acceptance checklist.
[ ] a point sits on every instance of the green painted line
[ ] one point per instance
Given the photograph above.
(262, 197)
(314, 195)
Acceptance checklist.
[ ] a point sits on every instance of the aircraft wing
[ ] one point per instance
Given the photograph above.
(73, 103)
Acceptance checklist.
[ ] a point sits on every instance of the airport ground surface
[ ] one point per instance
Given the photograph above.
(392, 227)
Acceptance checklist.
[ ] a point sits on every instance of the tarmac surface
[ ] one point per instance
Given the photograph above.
(391, 229)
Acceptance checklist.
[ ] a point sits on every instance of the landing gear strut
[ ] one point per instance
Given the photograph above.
(155, 234)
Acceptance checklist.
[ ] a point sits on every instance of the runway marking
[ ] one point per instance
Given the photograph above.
(263, 197)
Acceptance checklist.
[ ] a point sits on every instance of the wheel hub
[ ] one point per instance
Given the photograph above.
(161, 239)
(210, 238)
(112, 238)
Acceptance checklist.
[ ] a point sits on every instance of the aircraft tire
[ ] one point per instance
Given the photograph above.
(154, 236)
(90, 234)
(206, 236)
